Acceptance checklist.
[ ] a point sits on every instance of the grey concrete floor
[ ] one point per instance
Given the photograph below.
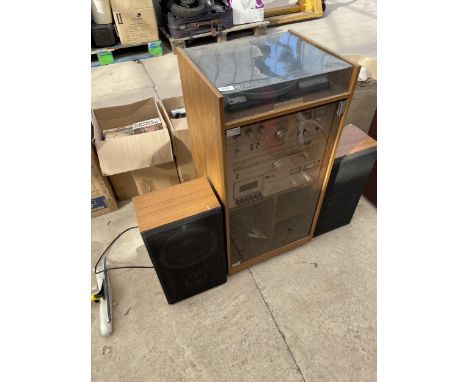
(306, 315)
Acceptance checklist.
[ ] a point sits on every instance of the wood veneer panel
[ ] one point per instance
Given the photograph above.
(353, 140)
(267, 255)
(174, 203)
(204, 105)
(286, 108)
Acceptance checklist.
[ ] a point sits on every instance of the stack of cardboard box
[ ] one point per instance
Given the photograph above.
(102, 196)
(135, 163)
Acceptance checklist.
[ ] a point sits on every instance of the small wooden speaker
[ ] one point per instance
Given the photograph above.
(354, 160)
(183, 230)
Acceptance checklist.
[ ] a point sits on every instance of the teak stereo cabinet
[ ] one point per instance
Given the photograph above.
(258, 216)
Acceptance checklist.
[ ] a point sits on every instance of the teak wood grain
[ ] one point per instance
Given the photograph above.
(181, 201)
(283, 109)
(353, 140)
(268, 255)
(204, 105)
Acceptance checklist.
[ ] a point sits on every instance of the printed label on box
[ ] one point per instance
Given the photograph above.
(136, 26)
(98, 203)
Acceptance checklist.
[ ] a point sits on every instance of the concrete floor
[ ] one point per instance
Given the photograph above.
(307, 315)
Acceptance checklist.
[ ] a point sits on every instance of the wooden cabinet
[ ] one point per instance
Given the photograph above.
(265, 115)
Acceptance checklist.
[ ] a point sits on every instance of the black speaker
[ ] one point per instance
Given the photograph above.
(103, 35)
(183, 230)
(345, 186)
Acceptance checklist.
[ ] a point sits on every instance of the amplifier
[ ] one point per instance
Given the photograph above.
(183, 230)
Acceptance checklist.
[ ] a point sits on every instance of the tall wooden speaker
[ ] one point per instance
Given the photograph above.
(265, 114)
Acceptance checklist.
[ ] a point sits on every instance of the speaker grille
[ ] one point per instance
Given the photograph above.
(188, 247)
(345, 186)
(189, 255)
(339, 206)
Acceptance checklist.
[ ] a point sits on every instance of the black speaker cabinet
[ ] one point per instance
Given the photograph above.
(355, 158)
(103, 35)
(370, 191)
(183, 230)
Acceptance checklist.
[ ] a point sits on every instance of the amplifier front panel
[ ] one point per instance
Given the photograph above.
(273, 177)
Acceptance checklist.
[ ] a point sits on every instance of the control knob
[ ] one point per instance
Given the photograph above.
(277, 163)
(281, 132)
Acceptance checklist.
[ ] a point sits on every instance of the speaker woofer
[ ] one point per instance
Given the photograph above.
(187, 248)
(183, 230)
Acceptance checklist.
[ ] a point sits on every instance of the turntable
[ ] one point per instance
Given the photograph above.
(270, 69)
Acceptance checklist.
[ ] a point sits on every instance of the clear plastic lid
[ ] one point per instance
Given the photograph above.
(256, 74)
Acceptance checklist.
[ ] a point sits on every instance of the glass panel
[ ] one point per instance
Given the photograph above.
(273, 170)
(258, 74)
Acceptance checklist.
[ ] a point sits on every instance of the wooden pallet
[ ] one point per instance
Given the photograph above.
(117, 46)
(258, 29)
(123, 53)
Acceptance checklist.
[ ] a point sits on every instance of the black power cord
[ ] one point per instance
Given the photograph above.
(110, 245)
(126, 267)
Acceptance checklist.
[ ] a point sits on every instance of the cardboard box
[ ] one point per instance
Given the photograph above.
(102, 197)
(180, 135)
(139, 182)
(135, 151)
(135, 21)
(364, 101)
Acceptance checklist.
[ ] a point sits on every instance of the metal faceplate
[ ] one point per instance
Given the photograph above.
(272, 156)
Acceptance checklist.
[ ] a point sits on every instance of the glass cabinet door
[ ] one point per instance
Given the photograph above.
(273, 176)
